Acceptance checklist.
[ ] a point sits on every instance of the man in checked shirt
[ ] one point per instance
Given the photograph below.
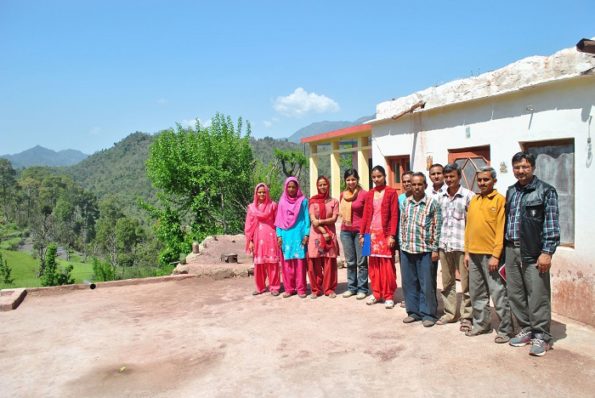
(532, 235)
(454, 202)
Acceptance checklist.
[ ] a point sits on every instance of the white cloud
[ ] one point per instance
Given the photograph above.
(162, 101)
(269, 123)
(301, 102)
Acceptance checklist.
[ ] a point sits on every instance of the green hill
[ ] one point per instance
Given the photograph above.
(120, 170)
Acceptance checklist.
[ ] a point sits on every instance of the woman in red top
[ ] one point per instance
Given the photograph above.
(351, 210)
(323, 246)
(381, 213)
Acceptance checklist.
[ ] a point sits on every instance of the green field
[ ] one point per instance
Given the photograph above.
(25, 267)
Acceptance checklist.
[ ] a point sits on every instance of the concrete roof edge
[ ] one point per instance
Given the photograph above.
(525, 73)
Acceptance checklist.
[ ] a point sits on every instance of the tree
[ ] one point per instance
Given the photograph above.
(5, 271)
(7, 182)
(291, 163)
(103, 271)
(110, 213)
(52, 276)
(202, 176)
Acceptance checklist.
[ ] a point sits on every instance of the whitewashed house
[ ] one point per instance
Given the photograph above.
(544, 105)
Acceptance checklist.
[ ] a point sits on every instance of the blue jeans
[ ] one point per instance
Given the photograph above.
(418, 274)
(357, 266)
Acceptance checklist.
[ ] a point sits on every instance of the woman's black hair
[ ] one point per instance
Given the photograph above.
(380, 169)
(351, 173)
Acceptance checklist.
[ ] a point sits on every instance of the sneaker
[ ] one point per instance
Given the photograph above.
(371, 301)
(428, 323)
(538, 347)
(521, 339)
(360, 296)
(332, 295)
(389, 304)
(410, 319)
(348, 294)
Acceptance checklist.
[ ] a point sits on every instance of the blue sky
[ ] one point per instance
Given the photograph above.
(85, 74)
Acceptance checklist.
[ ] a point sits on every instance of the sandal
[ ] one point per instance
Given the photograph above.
(443, 321)
(465, 325)
(476, 332)
(501, 339)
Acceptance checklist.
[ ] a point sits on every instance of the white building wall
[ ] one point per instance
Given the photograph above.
(556, 110)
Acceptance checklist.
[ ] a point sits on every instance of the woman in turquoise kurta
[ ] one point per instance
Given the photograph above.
(293, 227)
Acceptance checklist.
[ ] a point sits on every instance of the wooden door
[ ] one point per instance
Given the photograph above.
(397, 165)
(470, 160)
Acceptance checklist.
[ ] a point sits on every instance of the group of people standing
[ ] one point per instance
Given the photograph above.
(474, 235)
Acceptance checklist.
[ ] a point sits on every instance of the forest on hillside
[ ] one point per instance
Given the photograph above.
(133, 210)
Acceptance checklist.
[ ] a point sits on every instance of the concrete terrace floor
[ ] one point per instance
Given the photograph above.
(199, 337)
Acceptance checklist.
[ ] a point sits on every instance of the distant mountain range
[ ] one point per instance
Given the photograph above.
(40, 156)
(322, 127)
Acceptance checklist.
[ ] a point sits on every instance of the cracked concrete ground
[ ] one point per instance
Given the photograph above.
(199, 337)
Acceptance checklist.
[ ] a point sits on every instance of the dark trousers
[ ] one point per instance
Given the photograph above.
(418, 274)
(529, 294)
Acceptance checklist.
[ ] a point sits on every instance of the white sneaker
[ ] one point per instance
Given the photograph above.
(361, 296)
(348, 294)
(389, 304)
(372, 300)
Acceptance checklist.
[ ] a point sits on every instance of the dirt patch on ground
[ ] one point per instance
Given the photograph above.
(199, 337)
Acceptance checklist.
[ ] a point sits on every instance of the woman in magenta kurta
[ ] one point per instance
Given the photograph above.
(261, 240)
(323, 247)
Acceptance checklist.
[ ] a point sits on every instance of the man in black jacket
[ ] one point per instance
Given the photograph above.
(532, 235)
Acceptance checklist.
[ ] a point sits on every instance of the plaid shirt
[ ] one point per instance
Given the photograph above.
(420, 223)
(454, 217)
(551, 224)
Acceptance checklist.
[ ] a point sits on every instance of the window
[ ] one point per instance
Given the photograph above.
(397, 165)
(554, 164)
(470, 160)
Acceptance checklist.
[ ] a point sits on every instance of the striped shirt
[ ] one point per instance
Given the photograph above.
(454, 217)
(551, 223)
(420, 225)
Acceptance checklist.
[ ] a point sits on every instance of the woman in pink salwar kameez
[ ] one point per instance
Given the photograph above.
(261, 240)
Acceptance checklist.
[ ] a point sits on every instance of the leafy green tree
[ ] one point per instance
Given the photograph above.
(110, 212)
(5, 271)
(129, 235)
(291, 163)
(7, 183)
(103, 271)
(52, 276)
(203, 177)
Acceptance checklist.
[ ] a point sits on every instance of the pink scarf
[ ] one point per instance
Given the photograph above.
(289, 208)
(258, 212)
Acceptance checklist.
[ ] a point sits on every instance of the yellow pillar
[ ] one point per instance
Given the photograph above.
(363, 167)
(313, 168)
(335, 171)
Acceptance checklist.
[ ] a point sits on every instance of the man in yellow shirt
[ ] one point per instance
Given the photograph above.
(484, 242)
